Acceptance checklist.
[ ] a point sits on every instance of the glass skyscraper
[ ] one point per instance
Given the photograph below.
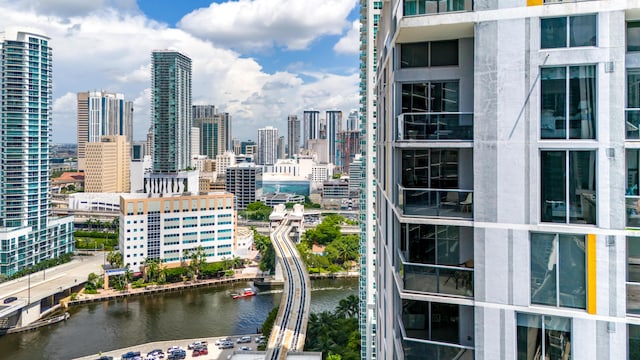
(27, 234)
(171, 110)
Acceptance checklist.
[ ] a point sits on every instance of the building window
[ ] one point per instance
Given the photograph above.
(579, 30)
(568, 193)
(430, 97)
(632, 197)
(426, 54)
(633, 103)
(568, 93)
(633, 275)
(543, 337)
(430, 168)
(558, 270)
(633, 36)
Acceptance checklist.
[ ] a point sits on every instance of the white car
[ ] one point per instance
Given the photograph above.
(221, 341)
(244, 339)
(196, 344)
(245, 348)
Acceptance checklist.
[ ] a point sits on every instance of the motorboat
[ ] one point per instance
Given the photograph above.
(245, 293)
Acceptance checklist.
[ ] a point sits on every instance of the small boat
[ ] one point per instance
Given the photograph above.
(245, 293)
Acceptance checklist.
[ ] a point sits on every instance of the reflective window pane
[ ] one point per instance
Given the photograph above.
(582, 91)
(573, 278)
(544, 255)
(633, 333)
(633, 36)
(553, 33)
(543, 337)
(553, 85)
(583, 30)
(414, 55)
(557, 337)
(444, 53)
(553, 202)
(529, 336)
(582, 187)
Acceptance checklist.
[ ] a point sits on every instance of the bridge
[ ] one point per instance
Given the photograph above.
(290, 327)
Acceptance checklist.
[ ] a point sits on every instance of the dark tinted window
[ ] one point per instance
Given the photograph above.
(414, 55)
(444, 53)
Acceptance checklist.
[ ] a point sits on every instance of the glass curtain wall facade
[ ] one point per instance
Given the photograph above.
(171, 111)
(27, 234)
(506, 180)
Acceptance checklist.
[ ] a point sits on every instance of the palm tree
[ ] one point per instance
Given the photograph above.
(197, 258)
(348, 307)
(115, 259)
(152, 269)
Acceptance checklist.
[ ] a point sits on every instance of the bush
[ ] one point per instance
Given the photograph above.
(334, 268)
(90, 291)
(74, 296)
(138, 284)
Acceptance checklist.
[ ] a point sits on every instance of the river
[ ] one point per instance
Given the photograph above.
(203, 312)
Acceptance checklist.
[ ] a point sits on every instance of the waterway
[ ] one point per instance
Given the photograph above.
(188, 314)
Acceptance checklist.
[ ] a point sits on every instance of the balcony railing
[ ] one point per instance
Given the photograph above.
(436, 202)
(435, 126)
(632, 123)
(424, 349)
(437, 279)
(427, 7)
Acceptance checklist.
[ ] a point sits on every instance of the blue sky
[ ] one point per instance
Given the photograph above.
(259, 60)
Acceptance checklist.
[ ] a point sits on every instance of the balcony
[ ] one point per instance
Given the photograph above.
(453, 203)
(420, 349)
(441, 126)
(428, 7)
(437, 279)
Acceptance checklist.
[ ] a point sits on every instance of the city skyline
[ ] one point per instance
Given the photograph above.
(266, 76)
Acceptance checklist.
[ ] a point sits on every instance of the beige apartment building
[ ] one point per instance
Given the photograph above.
(108, 165)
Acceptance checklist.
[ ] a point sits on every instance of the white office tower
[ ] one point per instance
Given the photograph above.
(28, 235)
(334, 141)
(267, 146)
(223, 161)
(293, 135)
(356, 178)
(507, 209)
(102, 113)
(310, 126)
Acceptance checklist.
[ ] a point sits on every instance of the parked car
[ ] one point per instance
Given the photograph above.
(10, 299)
(157, 353)
(131, 355)
(177, 354)
(226, 345)
(200, 351)
(105, 357)
(221, 340)
(196, 344)
(260, 338)
(174, 348)
(245, 348)
(244, 339)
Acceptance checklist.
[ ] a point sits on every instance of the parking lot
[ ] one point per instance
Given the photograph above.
(214, 352)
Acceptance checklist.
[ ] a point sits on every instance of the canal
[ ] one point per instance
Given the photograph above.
(202, 312)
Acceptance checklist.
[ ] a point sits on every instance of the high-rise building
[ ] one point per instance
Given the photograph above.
(171, 110)
(102, 113)
(108, 165)
(293, 135)
(27, 234)
(369, 20)
(310, 126)
(244, 181)
(247, 144)
(353, 122)
(215, 130)
(282, 147)
(348, 146)
(334, 127)
(507, 180)
(267, 146)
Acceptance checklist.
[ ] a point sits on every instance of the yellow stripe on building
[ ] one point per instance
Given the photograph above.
(591, 273)
(534, 2)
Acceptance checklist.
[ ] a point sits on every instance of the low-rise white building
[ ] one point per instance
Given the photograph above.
(168, 227)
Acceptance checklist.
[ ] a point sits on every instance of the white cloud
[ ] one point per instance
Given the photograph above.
(350, 43)
(259, 24)
(69, 8)
(111, 50)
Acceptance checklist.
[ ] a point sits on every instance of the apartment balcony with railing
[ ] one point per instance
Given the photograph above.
(436, 259)
(438, 331)
(428, 7)
(436, 126)
(436, 182)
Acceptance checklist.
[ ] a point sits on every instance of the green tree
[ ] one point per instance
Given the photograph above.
(258, 211)
(348, 307)
(115, 259)
(152, 269)
(197, 258)
(263, 244)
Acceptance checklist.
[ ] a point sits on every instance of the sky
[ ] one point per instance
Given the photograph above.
(258, 60)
